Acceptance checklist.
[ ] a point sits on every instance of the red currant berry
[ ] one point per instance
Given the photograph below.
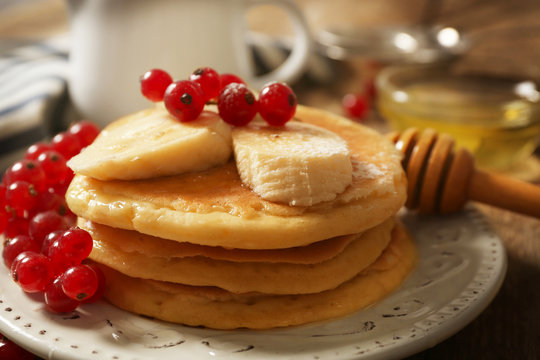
(68, 179)
(2, 196)
(16, 226)
(55, 299)
(4, 217)
(21, 196)
(85, 131)
(44, 223)
(355, 105)
(59, 189)
(15, 263)
(35, 150)
(66, 144)
(14, 246)
(50, 200)
(26, 170)
(101, 284)
(49, 239)
(10, 350)
(226, 79)
(208, 80)
(70, 249)
(33, 271)
(277, 103)
(54, 166)
(154, 83)
(80, 282)
(237, 104)
(185, 100)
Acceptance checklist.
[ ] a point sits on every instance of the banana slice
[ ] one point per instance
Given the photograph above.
(151, 143)
(299, 164)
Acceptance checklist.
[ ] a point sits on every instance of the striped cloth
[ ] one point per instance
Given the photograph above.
(32, 90)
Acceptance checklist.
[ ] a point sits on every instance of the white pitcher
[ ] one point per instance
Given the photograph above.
(113, 42)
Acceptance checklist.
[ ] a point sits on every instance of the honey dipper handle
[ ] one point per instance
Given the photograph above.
(505, 192)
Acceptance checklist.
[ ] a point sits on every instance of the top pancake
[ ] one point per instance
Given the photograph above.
(214, 208)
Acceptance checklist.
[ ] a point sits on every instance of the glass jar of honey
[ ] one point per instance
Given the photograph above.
(497, 119)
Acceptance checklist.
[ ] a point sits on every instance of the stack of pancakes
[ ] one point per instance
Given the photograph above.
(202, 249)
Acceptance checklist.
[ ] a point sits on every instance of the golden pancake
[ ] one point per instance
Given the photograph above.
(216, 308)
(133, 241)
(214, 208)
(243, 277)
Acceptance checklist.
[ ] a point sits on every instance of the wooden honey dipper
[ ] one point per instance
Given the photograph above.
(442, 179)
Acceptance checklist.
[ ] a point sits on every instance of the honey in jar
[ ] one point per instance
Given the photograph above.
(498, 120)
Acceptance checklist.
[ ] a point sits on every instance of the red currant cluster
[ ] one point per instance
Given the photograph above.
(237, 105)
(43, 248)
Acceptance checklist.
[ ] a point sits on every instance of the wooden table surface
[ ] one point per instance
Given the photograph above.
(510, 327)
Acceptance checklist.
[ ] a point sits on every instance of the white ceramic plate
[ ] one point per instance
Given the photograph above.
(461, 269)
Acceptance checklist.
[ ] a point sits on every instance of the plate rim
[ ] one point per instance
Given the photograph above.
(427, 339)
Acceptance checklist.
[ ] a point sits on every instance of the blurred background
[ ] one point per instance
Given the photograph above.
(354, 41)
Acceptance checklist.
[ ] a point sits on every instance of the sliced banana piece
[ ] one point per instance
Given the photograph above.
(299, 164)
(151, 143)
